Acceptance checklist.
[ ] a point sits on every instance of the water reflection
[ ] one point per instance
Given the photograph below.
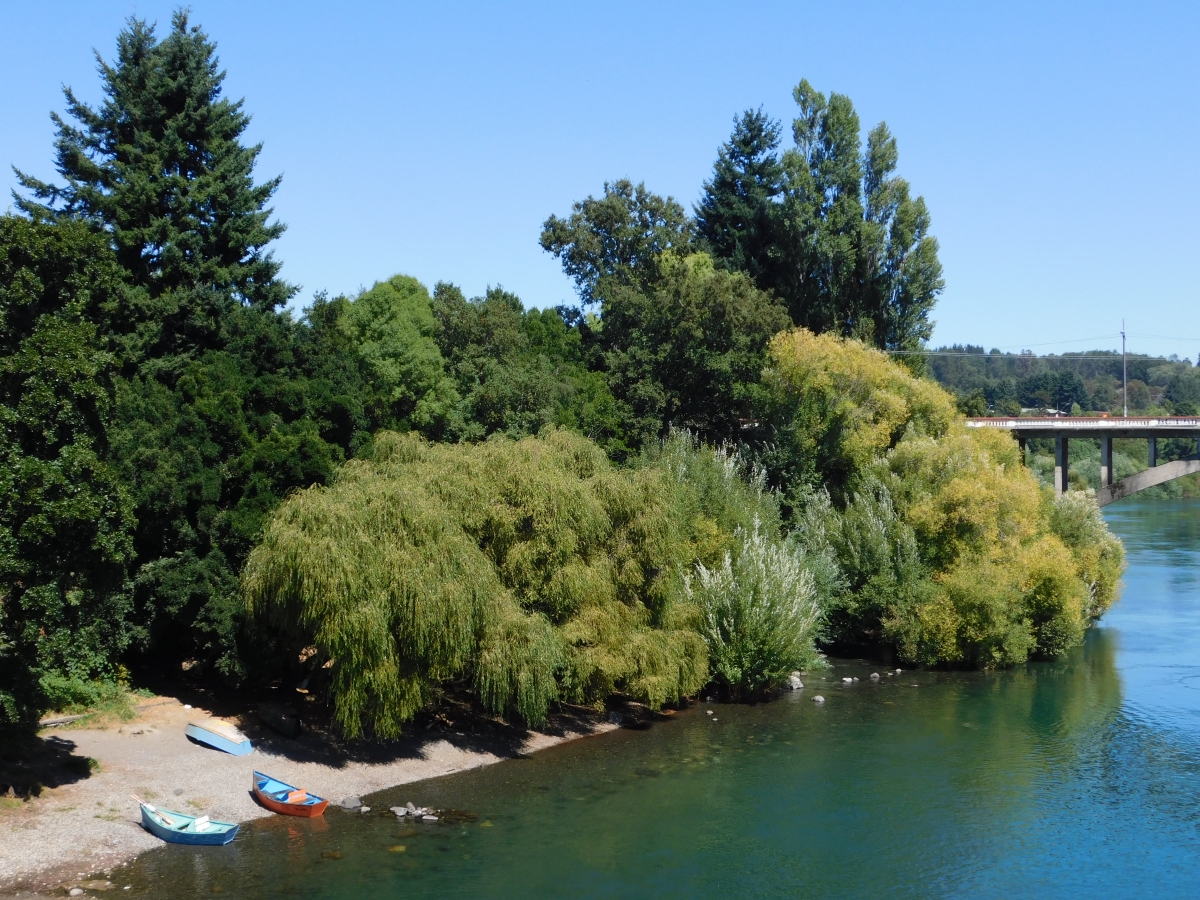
(1057, 780)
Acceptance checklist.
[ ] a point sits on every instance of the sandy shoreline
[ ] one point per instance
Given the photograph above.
(87, 826)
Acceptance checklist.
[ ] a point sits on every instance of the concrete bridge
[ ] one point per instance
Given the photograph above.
(1104, 430)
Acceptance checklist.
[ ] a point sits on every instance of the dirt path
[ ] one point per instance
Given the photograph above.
(91, 824)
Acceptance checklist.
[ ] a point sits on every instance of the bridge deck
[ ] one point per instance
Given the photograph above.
(1082, 426)
(1105, 429)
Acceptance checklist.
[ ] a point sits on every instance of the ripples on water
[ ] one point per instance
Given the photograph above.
(1068, 779)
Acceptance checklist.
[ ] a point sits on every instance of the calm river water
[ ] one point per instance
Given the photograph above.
(1070, 779)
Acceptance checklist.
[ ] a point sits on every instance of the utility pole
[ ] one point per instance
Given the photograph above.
(1124, 374)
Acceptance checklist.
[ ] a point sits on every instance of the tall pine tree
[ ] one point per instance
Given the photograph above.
(733, 218)
(224, 403)
(160, 166)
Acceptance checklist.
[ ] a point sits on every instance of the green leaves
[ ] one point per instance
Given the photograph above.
(159, 165)
(827, 226)
(616, 241)
(689, 352)
(531, 568)
(65, 519)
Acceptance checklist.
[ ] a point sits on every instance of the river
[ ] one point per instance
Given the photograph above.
(1075, 778)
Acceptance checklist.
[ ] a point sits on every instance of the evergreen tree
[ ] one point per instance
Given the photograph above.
(224, 403)
(827, 227)
(160, 167)
(733, 218)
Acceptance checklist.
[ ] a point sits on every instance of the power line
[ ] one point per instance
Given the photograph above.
(1115, 354)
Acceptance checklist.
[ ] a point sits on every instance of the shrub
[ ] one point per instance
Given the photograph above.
(759, 613)
(949, 549)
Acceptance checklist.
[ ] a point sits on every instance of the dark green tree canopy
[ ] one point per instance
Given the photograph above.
(690, 352)
(160, 166)
(828, 227)
(65, 518)
(617, 239)
(733, 218)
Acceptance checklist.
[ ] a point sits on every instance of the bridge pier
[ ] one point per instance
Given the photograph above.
(1152, 452)
(1106, 469)
(1062, 465)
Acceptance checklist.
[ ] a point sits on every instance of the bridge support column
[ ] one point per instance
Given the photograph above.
(1153, 454)
(1106, 472)
(1061, 465)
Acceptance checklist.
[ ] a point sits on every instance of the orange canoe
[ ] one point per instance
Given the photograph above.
(282, 798)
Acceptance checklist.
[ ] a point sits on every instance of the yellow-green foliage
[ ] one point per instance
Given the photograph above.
(532, 567)
(1005, 569)
(849, 403)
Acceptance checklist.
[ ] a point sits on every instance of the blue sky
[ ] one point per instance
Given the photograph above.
(1056, 144)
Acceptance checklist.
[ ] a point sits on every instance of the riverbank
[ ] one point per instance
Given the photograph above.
(84, 822)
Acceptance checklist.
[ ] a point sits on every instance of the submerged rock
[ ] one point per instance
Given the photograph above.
(818, 699)
(794, 682)
(847, 681)
(400, 811)
(874, 676)
(350, 803)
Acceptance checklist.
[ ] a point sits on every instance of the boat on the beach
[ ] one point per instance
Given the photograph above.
(281, 797)
(220, 734)
(180, 828)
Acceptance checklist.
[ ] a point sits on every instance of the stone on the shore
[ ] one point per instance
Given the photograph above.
(365, 809)
(409, 806)
(400, 811)
(429, 818)
(280, 717)
(350, 803)
(818, 699)
(74, 892)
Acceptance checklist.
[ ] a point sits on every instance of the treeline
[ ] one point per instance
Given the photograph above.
(663, 487)
(1091, 381)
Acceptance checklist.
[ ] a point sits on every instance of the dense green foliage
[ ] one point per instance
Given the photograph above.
(827, 226)
(532, 568)
(65, 516)
(1090, 380)
(951, 551)
(663, 488)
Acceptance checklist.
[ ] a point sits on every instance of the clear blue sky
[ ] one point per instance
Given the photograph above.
(1056, 146)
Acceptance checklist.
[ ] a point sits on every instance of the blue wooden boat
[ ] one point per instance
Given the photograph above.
(281, 797)
(180, 828)
(220, 734)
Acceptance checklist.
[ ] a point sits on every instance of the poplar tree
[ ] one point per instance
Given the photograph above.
(827, 225)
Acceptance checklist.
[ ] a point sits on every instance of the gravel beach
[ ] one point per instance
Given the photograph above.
(89, 825)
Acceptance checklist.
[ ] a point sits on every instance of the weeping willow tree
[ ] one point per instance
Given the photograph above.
(533, 568)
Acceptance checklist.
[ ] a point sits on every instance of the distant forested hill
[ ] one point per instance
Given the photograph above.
(1004, 383)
